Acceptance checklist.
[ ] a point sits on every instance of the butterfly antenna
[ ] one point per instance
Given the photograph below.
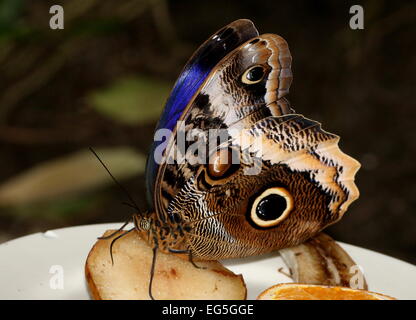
(133, 203)
(115, 239)
(128, 204)
(115, 232)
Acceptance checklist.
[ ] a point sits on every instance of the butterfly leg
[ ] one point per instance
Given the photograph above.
(152, 272)
(192, 261)
(189, 252)
(114, 240)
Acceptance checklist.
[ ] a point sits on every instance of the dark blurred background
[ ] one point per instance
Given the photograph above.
(103, 80)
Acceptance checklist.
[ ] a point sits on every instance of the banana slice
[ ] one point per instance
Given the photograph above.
(322, 261)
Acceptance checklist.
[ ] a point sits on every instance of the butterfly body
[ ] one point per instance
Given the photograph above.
(290, 181)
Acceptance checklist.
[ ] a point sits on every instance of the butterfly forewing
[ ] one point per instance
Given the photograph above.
(193, 75)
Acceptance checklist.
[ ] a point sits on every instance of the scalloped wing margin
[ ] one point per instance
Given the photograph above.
(303, 146)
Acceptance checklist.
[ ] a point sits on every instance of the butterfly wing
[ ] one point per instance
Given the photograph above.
(298, 160)
(190, 80)
(223, 101)
(301, 183)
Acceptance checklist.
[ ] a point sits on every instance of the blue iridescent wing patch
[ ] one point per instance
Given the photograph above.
(203, 61)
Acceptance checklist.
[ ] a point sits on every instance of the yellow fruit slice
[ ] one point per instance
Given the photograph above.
(295, 291)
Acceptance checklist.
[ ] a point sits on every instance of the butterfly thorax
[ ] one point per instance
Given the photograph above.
(167, 235)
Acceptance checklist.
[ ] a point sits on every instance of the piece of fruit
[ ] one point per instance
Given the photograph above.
(174, 278)
(322, 261)
(294, 291)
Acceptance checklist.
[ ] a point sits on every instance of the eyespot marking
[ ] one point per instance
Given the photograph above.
(221, 164)
(253, 75)
(271, 207)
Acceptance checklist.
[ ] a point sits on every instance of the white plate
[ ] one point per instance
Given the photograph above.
(29, 267)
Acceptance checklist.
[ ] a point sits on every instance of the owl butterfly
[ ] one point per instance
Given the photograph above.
(290, 182)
